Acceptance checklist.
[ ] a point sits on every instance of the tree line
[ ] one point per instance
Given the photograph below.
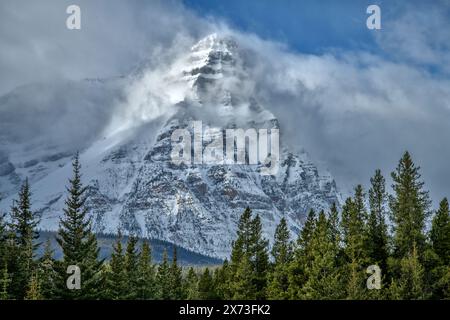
(328, 260)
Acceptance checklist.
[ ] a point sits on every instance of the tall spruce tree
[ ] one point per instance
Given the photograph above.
(243, 285)
(259, 257)
(411, 280)
(206, 286)
(176, 278)
(78, 243)
(354, 218)
(163, 279)
(116, 277)
(409, 208)
(23, 227)
(222, 280)
(438, 273)
(241, 245)
(440, 232)
(321, 273)
(377, 236)
(5, 281)
(191, 285)
(131, 264)
(334, 225)
(297, 267)
(251, 246)
(34, 289)
(3, 240)
(282, 255)
(145, 286)
(46, 273)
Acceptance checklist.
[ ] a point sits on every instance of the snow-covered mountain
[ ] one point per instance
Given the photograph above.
(133, 182)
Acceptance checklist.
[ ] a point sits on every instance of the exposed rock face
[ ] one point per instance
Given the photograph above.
(135, 185)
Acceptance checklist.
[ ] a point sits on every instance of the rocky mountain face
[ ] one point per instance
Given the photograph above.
(135, 185)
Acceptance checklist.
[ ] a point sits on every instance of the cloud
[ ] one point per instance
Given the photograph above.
(419, 35)
(352, 110)
(115, 36)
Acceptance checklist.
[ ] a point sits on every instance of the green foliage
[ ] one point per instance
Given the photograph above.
(297, 268)
(243, 286)
(131, 267)
(328, 260)
(145, 284)
(206, 286)
(78, 243)
(440, 232)
(23, 232)
(163, 279)
(5, 281)
(409, 208)
(321, 272)
(191, 285)
(34, 289)
(411, 282)
(116, 277)
(249, 253)
(46, 273)
(354, 228)
(282, 255)
(377, 237)
(175, 278)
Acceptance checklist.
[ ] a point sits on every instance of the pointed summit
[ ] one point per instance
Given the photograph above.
(216, 43)
(213, 57)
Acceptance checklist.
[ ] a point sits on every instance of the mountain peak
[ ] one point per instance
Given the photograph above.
(212, 59)
(216, 43)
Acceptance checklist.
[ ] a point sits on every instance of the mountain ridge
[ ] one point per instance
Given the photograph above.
(134, 185)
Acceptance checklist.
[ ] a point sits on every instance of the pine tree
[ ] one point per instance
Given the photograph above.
(250, 245)
(282, 254)
(3, 240)
(409, 207)
(23, 227)
(46, 273)
(78, 243)
(411, 282)
(4, 282)
(438, 271)
(176, 278)
(259, 257)
(130, 264)
(145, 286)
(440, 232)
(377, 237)
(297, 267)
(34, 289)
(334, 225)
(243, 286)
(321, 273)
(163, 279)
(116, 282)
(206, 286)
(241, 245)
(222, 280)
(191, 285)
(282, 246)
(354, 217)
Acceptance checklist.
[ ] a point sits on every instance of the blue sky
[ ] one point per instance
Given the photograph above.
(307, 26)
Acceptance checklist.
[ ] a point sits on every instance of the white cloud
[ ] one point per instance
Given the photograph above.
(352, 110)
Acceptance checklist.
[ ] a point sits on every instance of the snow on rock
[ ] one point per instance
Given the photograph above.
(134, 185)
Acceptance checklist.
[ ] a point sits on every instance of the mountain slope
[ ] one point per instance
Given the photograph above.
(136, 186)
